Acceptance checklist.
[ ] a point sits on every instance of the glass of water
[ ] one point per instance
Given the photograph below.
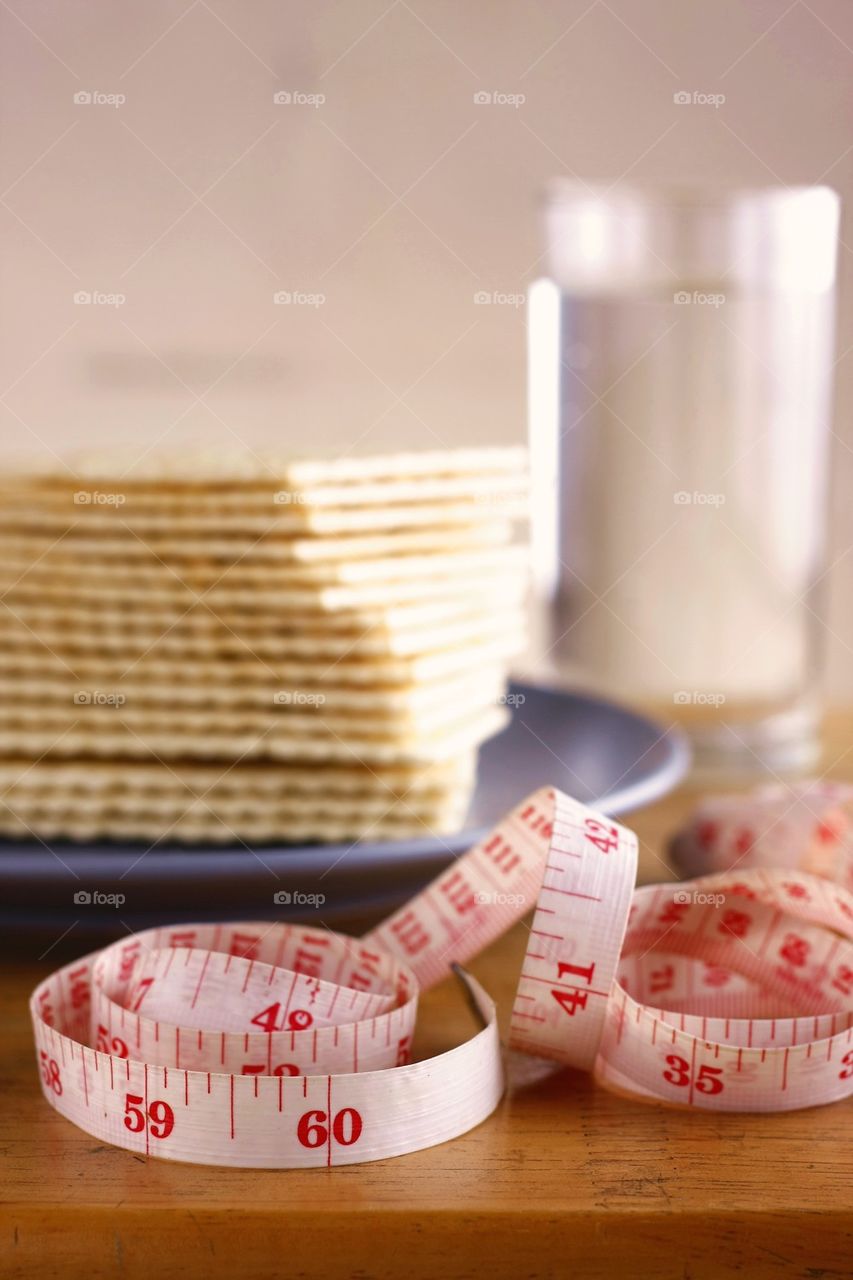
(681, 360)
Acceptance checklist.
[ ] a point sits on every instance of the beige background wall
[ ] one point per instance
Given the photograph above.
(396, 199)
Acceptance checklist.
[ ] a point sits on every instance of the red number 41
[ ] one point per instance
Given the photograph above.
(573, 998)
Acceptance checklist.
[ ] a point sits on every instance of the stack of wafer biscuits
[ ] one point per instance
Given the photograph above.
(250, 649)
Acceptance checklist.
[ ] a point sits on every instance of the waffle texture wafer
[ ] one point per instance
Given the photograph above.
(276, 742)
(27, 546)
(266, 621)
(83, 778)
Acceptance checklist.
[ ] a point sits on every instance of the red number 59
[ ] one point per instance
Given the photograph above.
(161, 1117)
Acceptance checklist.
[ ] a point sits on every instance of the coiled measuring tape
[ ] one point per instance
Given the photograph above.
(283, 1046)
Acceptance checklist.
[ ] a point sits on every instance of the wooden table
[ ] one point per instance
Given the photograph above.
(564, 1180)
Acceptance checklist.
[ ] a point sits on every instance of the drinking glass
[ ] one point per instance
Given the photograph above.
(680, 374)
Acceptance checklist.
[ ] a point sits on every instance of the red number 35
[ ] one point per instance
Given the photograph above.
(707, 1078)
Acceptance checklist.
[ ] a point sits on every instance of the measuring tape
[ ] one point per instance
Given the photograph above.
(283, 1046)
(809, 825)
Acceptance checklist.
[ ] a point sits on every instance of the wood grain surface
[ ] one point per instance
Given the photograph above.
(565, 1179)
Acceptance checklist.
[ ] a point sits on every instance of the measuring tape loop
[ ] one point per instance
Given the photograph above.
(808, 826)
(284, 1046)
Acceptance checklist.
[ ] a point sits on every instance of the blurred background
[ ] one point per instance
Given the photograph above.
(314, 226)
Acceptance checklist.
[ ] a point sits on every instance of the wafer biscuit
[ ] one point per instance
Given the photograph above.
(279, 621)
(149, 620)
(284, 518)
(37, 588)
(123, 545)
(323, 826)
(233, 809)
(86, 777)
(104, 671)
(273, 745)
(137, 499)
(221, 470)
(299, 712)
(64, 689)
(62, 640)
(91, 572)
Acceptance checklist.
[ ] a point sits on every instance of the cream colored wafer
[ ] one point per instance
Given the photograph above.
(366, 674)
(232, 809)
(484, 683)
(18, 493)
(284, 519)
(226, 471)
(322, 826)
(34, 778)
(109, 576)
(393, 578)
(222, 627)
(271, 745)
(278, 549)
(66, 591)
(60, 638)
(278, 722)
(298, 712)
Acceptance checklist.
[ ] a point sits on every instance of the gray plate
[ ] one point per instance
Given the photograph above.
(597, 751)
